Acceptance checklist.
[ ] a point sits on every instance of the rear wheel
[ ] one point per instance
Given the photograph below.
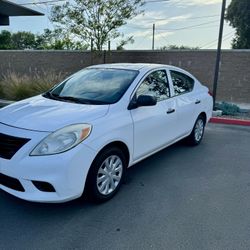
(106, 174)
(198, 131)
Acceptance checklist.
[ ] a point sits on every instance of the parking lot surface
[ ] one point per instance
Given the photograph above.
(180, 198)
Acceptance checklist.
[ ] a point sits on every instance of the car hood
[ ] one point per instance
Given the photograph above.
(43, 114)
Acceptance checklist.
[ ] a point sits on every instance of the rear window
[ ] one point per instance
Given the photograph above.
(181, 82)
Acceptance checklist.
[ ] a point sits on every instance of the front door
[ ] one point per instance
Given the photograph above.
(154, 126)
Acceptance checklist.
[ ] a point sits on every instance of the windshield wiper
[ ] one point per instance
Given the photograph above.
(92, 101)
(50, 95)
(61, 98)
(73, 99)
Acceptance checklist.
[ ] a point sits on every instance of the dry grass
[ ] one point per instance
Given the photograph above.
(16, 87)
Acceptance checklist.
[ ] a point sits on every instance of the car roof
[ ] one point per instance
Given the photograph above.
(129, 66)
(139, 66)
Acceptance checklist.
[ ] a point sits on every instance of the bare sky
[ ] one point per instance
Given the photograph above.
(180, 22)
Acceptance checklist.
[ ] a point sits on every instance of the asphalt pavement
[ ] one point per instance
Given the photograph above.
(180, 198)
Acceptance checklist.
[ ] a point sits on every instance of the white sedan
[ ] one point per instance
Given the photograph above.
(82, 135)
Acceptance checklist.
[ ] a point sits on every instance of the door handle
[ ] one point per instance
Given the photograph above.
(197, 101)
(169, 111)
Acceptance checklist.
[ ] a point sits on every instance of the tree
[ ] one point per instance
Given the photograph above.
(23, 40)
(238, 16)
(123, 42)
(94, 20)
(55, 39)
(5, 39)
(176, 47)
(18, 40)
(49, 39)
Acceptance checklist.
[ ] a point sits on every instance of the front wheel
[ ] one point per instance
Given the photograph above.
(198, 131)
(106, 175)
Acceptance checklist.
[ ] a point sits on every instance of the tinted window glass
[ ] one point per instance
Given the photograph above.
(155, 84)
(96, 85)
(182, 83)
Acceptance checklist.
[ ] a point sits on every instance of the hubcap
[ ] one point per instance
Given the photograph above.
(109, 175)
(199, 128)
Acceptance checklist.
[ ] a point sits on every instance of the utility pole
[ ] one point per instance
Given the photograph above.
(108, 45)
(91, 50)
(104, 56)
(153, 39)
(91, 44)
(218, 56)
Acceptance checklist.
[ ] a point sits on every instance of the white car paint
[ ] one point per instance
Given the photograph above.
(144, 130)
(34, 114)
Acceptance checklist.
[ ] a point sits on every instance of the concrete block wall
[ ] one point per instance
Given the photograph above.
(234, 79)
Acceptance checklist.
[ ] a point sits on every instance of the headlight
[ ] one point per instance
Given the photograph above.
(62, 140)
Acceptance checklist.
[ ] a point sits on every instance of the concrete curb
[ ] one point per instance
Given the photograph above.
(230, 121)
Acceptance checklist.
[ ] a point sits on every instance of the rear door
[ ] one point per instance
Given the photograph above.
(186, 101)
(154, 126)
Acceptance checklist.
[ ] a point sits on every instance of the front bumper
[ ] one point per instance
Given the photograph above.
(66, 172)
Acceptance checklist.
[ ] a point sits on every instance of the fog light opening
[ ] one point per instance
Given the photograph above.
(43, 186)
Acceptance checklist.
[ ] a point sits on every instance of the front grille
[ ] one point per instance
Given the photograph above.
(11, 183)
(9, 145)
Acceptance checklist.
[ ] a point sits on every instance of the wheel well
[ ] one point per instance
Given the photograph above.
(204, 116)
(120, 145)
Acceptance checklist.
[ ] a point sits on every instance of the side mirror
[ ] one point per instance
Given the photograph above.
(142, 100)
(146, 100)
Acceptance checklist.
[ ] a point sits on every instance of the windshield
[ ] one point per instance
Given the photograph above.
(94, 86)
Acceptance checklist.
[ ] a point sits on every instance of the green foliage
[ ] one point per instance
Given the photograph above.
(5, 40)
(227, 108)
(16, 87)
(50, 39)
(238, 15)
(19, 40)
(176, 47)
(124, 42)
(23, 40)
(56, 39)
(94, 20)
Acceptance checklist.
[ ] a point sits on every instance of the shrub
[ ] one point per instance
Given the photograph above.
(227, 108)
(16, 87)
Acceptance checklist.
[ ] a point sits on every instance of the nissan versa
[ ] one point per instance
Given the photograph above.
(85, 132)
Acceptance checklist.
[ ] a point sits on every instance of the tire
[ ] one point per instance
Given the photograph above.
(106, 175)
(197, 133)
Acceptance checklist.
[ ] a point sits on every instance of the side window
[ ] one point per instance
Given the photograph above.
(182, 83)
(155, 84)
